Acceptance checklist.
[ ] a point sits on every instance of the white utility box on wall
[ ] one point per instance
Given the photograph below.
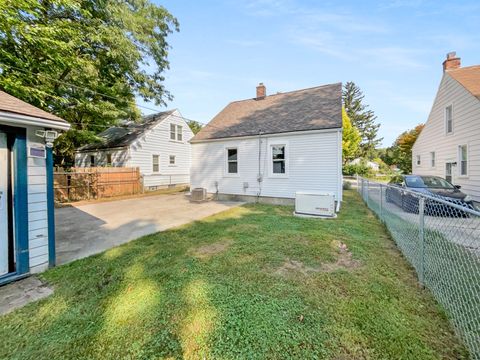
(315, 203)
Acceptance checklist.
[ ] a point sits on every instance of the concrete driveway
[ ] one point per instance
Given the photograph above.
(89, 229)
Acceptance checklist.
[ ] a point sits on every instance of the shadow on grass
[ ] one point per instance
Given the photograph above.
(153, 298)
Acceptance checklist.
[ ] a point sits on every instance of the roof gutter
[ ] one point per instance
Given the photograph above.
(289, 133)
(33, 121)
(102, 149)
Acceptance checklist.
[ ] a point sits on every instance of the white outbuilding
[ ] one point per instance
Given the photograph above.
(27, 227)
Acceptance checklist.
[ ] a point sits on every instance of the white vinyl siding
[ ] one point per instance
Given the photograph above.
(466, 130)
(116, 158)
(162, 140)
(313, 163)
(158, 141)
(37, 209)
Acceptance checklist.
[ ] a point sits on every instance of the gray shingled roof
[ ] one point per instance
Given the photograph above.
(122, 136)
(308, 109)
(14, 105)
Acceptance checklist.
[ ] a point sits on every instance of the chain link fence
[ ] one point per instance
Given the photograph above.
(440, 237)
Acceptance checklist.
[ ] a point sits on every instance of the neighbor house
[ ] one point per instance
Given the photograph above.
(158, 145)
(369, 164)
(449, 144)
(269, 147)
(27, 228)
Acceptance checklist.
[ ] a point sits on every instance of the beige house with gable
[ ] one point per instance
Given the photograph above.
(449, 145)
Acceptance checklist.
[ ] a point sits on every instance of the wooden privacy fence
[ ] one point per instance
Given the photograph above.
(95, 183)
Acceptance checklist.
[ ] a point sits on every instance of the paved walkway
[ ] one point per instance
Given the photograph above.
(20, 293)
(89, 229)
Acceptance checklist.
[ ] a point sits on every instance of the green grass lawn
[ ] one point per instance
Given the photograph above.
(252, 282)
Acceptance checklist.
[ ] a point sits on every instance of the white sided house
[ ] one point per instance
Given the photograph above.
(270, 147)
(158, 145)
(27, 224)
(449, 144)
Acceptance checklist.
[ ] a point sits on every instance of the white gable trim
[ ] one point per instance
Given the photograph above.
(32, 121)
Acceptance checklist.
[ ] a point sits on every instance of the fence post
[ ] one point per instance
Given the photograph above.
(381, 202)
(368, 189)
(421, 215)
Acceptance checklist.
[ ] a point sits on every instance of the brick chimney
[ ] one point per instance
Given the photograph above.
(452, 62)
(261, 92)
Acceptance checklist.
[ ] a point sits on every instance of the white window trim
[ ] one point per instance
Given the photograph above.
(434, 157)
(225, 154)
(418, 160)
(445, 120)
(179, 132)
(153, 171)
(459, 162)
(271, 174)
(176, 133)
(174, 160)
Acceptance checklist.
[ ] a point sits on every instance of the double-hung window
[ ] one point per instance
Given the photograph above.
(172, 160)
(232, 161)
(463, 159)
(449, 119)
(432, 159)
(279, 159)
(176, 132)
(419, 160)
(155, 163)
(179, 133)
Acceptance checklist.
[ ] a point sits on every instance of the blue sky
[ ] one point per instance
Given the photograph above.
(392, 49)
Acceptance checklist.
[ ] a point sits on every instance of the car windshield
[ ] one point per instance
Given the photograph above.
(431, 182)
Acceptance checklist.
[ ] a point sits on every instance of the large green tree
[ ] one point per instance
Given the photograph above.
(195, 126)
(84, 60)
(362, 118)
(350, 139)
(400, 153)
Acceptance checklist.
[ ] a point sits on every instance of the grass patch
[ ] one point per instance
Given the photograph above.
(211, 289)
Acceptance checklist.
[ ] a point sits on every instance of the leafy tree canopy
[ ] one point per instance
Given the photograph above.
(362, 118)
(400, 153)
(84, 60)
(350, 139)
(195, 126)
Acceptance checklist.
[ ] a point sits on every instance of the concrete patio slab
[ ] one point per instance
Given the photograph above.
(85, 230)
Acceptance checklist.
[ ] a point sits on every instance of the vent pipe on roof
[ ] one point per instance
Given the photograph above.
(261, 92)
(452, 62)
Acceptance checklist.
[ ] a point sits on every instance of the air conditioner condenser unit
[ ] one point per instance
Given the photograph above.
(315, 204)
